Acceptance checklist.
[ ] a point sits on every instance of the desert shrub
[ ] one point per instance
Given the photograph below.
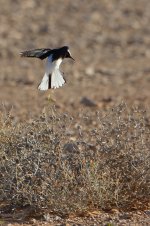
(73, 164)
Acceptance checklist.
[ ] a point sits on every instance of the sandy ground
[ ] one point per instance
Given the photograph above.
(109, 39)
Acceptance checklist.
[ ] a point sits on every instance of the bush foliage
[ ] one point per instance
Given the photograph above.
(72, 164)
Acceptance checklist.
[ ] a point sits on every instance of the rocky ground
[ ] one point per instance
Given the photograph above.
(95, 218)
(110, 41)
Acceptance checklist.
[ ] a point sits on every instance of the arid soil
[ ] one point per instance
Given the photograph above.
(110, 41)
(94, 218)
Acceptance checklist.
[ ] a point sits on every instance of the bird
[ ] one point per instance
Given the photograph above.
(52, 78)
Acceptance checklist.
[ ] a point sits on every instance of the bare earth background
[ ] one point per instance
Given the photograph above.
(109, 39)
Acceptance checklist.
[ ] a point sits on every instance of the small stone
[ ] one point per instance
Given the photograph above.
(89, 71)
(47, 217)
(88, 102)
(147, 212)
(107, 99)
(57, 218)
(33, 221)
(71, 148)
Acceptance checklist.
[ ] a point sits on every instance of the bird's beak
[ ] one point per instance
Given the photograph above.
(72, 58)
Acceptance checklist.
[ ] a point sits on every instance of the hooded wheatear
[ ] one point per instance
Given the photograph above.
(53, 78)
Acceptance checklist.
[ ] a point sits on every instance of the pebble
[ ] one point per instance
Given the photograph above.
(88, 102)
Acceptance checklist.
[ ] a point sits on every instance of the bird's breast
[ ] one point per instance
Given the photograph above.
(58, 62)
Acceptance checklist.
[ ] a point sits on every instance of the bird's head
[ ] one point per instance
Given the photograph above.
(67, 53)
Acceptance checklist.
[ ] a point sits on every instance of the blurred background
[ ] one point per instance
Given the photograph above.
(109, 39)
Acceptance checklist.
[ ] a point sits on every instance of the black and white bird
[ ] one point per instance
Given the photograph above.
(53, 78)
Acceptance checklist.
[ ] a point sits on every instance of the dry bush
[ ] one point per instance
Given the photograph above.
(75, 164)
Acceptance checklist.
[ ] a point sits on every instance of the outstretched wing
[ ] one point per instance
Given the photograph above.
(38, 53)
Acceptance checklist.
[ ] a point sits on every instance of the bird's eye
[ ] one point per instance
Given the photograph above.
(67, 54)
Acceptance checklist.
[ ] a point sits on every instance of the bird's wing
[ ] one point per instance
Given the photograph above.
(38, 53)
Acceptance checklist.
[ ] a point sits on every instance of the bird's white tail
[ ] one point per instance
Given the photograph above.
(52, 77)
(54, 80)
(57, 79)
(44, 85)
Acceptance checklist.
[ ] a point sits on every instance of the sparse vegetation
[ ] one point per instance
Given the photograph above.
(92, 161)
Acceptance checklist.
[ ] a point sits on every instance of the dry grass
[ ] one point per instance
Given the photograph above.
(73, 164)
